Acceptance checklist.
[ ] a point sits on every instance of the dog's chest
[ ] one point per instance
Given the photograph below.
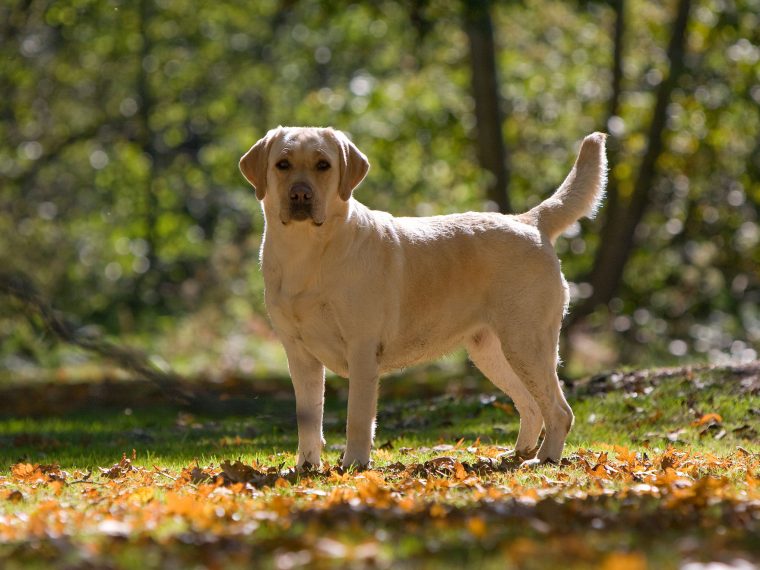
(308, 318)
(300, 313)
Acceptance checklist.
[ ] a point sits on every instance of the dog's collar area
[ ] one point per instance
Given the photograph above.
(313, 222)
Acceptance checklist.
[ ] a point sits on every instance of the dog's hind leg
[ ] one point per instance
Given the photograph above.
(534, 358)
(485, 351)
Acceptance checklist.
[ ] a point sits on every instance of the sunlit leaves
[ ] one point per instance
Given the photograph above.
(478, 502)
(604, 504)
(79, 160)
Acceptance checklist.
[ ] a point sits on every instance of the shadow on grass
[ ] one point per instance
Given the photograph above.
(164, 434)
(639, 408)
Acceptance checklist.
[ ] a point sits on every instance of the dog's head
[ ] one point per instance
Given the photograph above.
(304, 173)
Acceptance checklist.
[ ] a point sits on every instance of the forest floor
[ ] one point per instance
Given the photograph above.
(662, 470)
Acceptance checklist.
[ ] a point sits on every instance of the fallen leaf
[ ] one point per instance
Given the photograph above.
(14, 496)
(117, 469)
(706, 419)
(624, 561)
(477, 527)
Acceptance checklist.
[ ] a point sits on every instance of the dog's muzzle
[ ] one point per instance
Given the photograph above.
(301, 200)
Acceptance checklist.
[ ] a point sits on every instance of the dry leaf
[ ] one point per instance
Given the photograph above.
(707, 419)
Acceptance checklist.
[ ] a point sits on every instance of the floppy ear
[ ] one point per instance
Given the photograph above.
(253, 165)
(353, 165)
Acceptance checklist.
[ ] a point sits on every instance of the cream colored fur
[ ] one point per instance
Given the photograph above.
(362, 292)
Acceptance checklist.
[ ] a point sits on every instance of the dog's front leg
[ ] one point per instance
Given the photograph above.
(308, 376)
(362, 404)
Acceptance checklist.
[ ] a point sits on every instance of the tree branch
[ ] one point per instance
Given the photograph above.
(21, 287)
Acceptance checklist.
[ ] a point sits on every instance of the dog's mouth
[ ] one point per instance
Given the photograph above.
(302, 213)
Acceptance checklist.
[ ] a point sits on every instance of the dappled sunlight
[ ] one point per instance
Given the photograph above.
(135, 208)
(147, 413)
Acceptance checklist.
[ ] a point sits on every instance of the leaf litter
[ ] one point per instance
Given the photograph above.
(604, 506)
(472, 495)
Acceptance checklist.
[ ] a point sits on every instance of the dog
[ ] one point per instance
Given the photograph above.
(362, 292)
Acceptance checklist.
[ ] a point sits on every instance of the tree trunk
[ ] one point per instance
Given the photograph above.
(617, 59)
(148, 144)
(617, 239)
(492, 153)
(613, 208)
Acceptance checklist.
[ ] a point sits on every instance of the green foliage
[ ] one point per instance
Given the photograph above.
(121, 124)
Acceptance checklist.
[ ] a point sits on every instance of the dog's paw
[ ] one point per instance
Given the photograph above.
(356, 465)
(355, 456)
(530, 463)
(307, 467)
(524, 455)
(535, 462)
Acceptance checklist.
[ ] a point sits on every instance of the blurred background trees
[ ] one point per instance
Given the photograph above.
(121, 124)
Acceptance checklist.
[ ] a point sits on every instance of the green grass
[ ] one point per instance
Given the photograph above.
(657, 416)
(500, 517)
(164, 436)
(664, 415)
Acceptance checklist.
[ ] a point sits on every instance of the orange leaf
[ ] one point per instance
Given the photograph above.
(476, 526)
(183, 505)
(281, 505)
(142, 495)
(708, 418)
(406, 504)
(281, 483)
(26, 471)
(57, 487)
(599, 472)
(625, 455)
(624, 561)
(668, 477)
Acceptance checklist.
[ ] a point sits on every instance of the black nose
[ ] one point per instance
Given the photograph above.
(301, 193)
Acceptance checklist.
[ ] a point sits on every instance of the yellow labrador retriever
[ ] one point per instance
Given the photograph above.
(362, 292)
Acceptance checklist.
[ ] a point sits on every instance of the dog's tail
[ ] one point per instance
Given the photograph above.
(580, 193)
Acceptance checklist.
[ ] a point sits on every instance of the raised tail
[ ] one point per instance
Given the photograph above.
(579, 195)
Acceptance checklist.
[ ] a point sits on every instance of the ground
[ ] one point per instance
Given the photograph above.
(662, 470)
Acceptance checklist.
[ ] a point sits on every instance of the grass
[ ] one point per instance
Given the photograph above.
(661, 467)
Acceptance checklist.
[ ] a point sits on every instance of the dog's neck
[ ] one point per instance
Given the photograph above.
(304, 241)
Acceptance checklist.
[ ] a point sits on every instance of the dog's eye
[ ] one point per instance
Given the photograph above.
(282, 165)
(323, 165)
